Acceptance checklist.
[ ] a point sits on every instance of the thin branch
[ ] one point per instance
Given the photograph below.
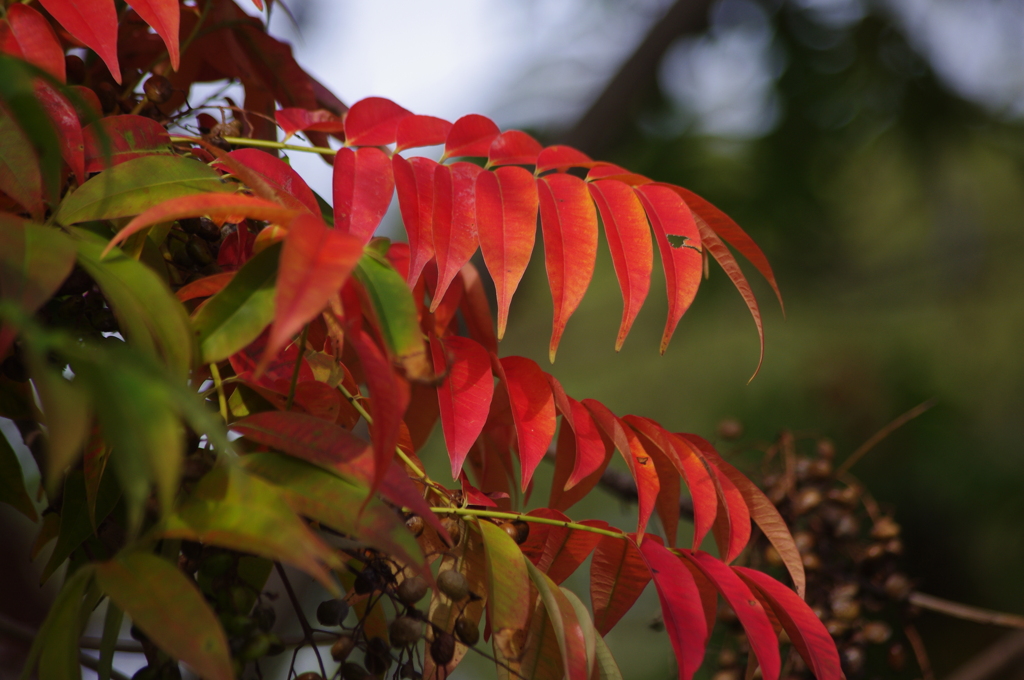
(917, 644)
(298, 366)
(307, 630)
(995, 660)
(966, 611)
(473, 512)
(885, 432)
(245, 141)
(605, 118)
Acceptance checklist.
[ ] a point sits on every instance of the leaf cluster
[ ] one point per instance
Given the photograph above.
(233, 374)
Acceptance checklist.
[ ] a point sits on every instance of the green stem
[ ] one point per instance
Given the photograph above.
(369, 421)
(295, 372)
(245, 141)
(472, 512)
(219, 386)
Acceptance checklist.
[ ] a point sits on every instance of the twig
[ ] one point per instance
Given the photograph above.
(917, 644)
(307, 630)
(876, 438)
(298, 366)
(994, 660)
(966, 611)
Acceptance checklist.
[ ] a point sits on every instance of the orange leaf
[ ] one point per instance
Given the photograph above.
(36, 40)
(513, 148)
(618, 574)
(315, 262)
(470, 136)
(373, 122)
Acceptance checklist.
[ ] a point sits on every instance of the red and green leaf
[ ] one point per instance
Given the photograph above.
(508, 582)
(281, 176)
(125, 137)
(572, 642)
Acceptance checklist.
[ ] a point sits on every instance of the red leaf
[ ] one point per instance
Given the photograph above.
(602, 170)
(513, 148)
(506, 209)
(294, 119)
(732, 524)
(618, 574)
(389, 397)
(691, 466)
(563, 498)
(163, 16)
(566, 549)
(128, 136)
(669, 487)
(315, 261)
(639, 461)
(681, 605)
(454, 222)
(236, 248)
(36, 40)
(805, 629)
(591, 449)
(476, 310)
(363, 185)
(748, 609)
(470, 136)
(94, 23)
(569, 223)
(278, 371)
(533, 411)
(679, 245)
(464, 396)
(473, 495)
(725, 227)
(763, 512)
(629, 240)
(211, 205)
(415, 130)
(414, 180)
(65, 120)
(281, 176)
(334, 448)
(318, 399)
(373, 122)
(204, 287)
(562, 158)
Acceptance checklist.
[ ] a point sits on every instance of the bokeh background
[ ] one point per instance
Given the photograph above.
(876, 152)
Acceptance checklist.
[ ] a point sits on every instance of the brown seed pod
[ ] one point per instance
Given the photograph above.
(411, 590)
(442, 649)
(405, 631)
(454, 528)
(898, 586)
(511, 530)
(158, 89)
(811, 561)
(467, 631)
(804, 541)
(820, 469)
(343, 646)
(849, 495)
(806, 500)
(846, 609)
(876, 632)
(309, 675)
(453, 584)
(522, 531)
(885, 529)
(415, 524)
(825, 448)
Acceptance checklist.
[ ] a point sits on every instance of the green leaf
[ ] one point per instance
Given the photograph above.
(75, 525)
(12, 482)
(236, 510)
(337, 503)
(56, 645)
(19, 168)
(169, 609)
(607, 669)
(568, 632)
(66, 414)
(149, 315)
(508, 611)
(34, 261)
(111, 628)
(395, 312)
(236, 315)
(134, 186)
